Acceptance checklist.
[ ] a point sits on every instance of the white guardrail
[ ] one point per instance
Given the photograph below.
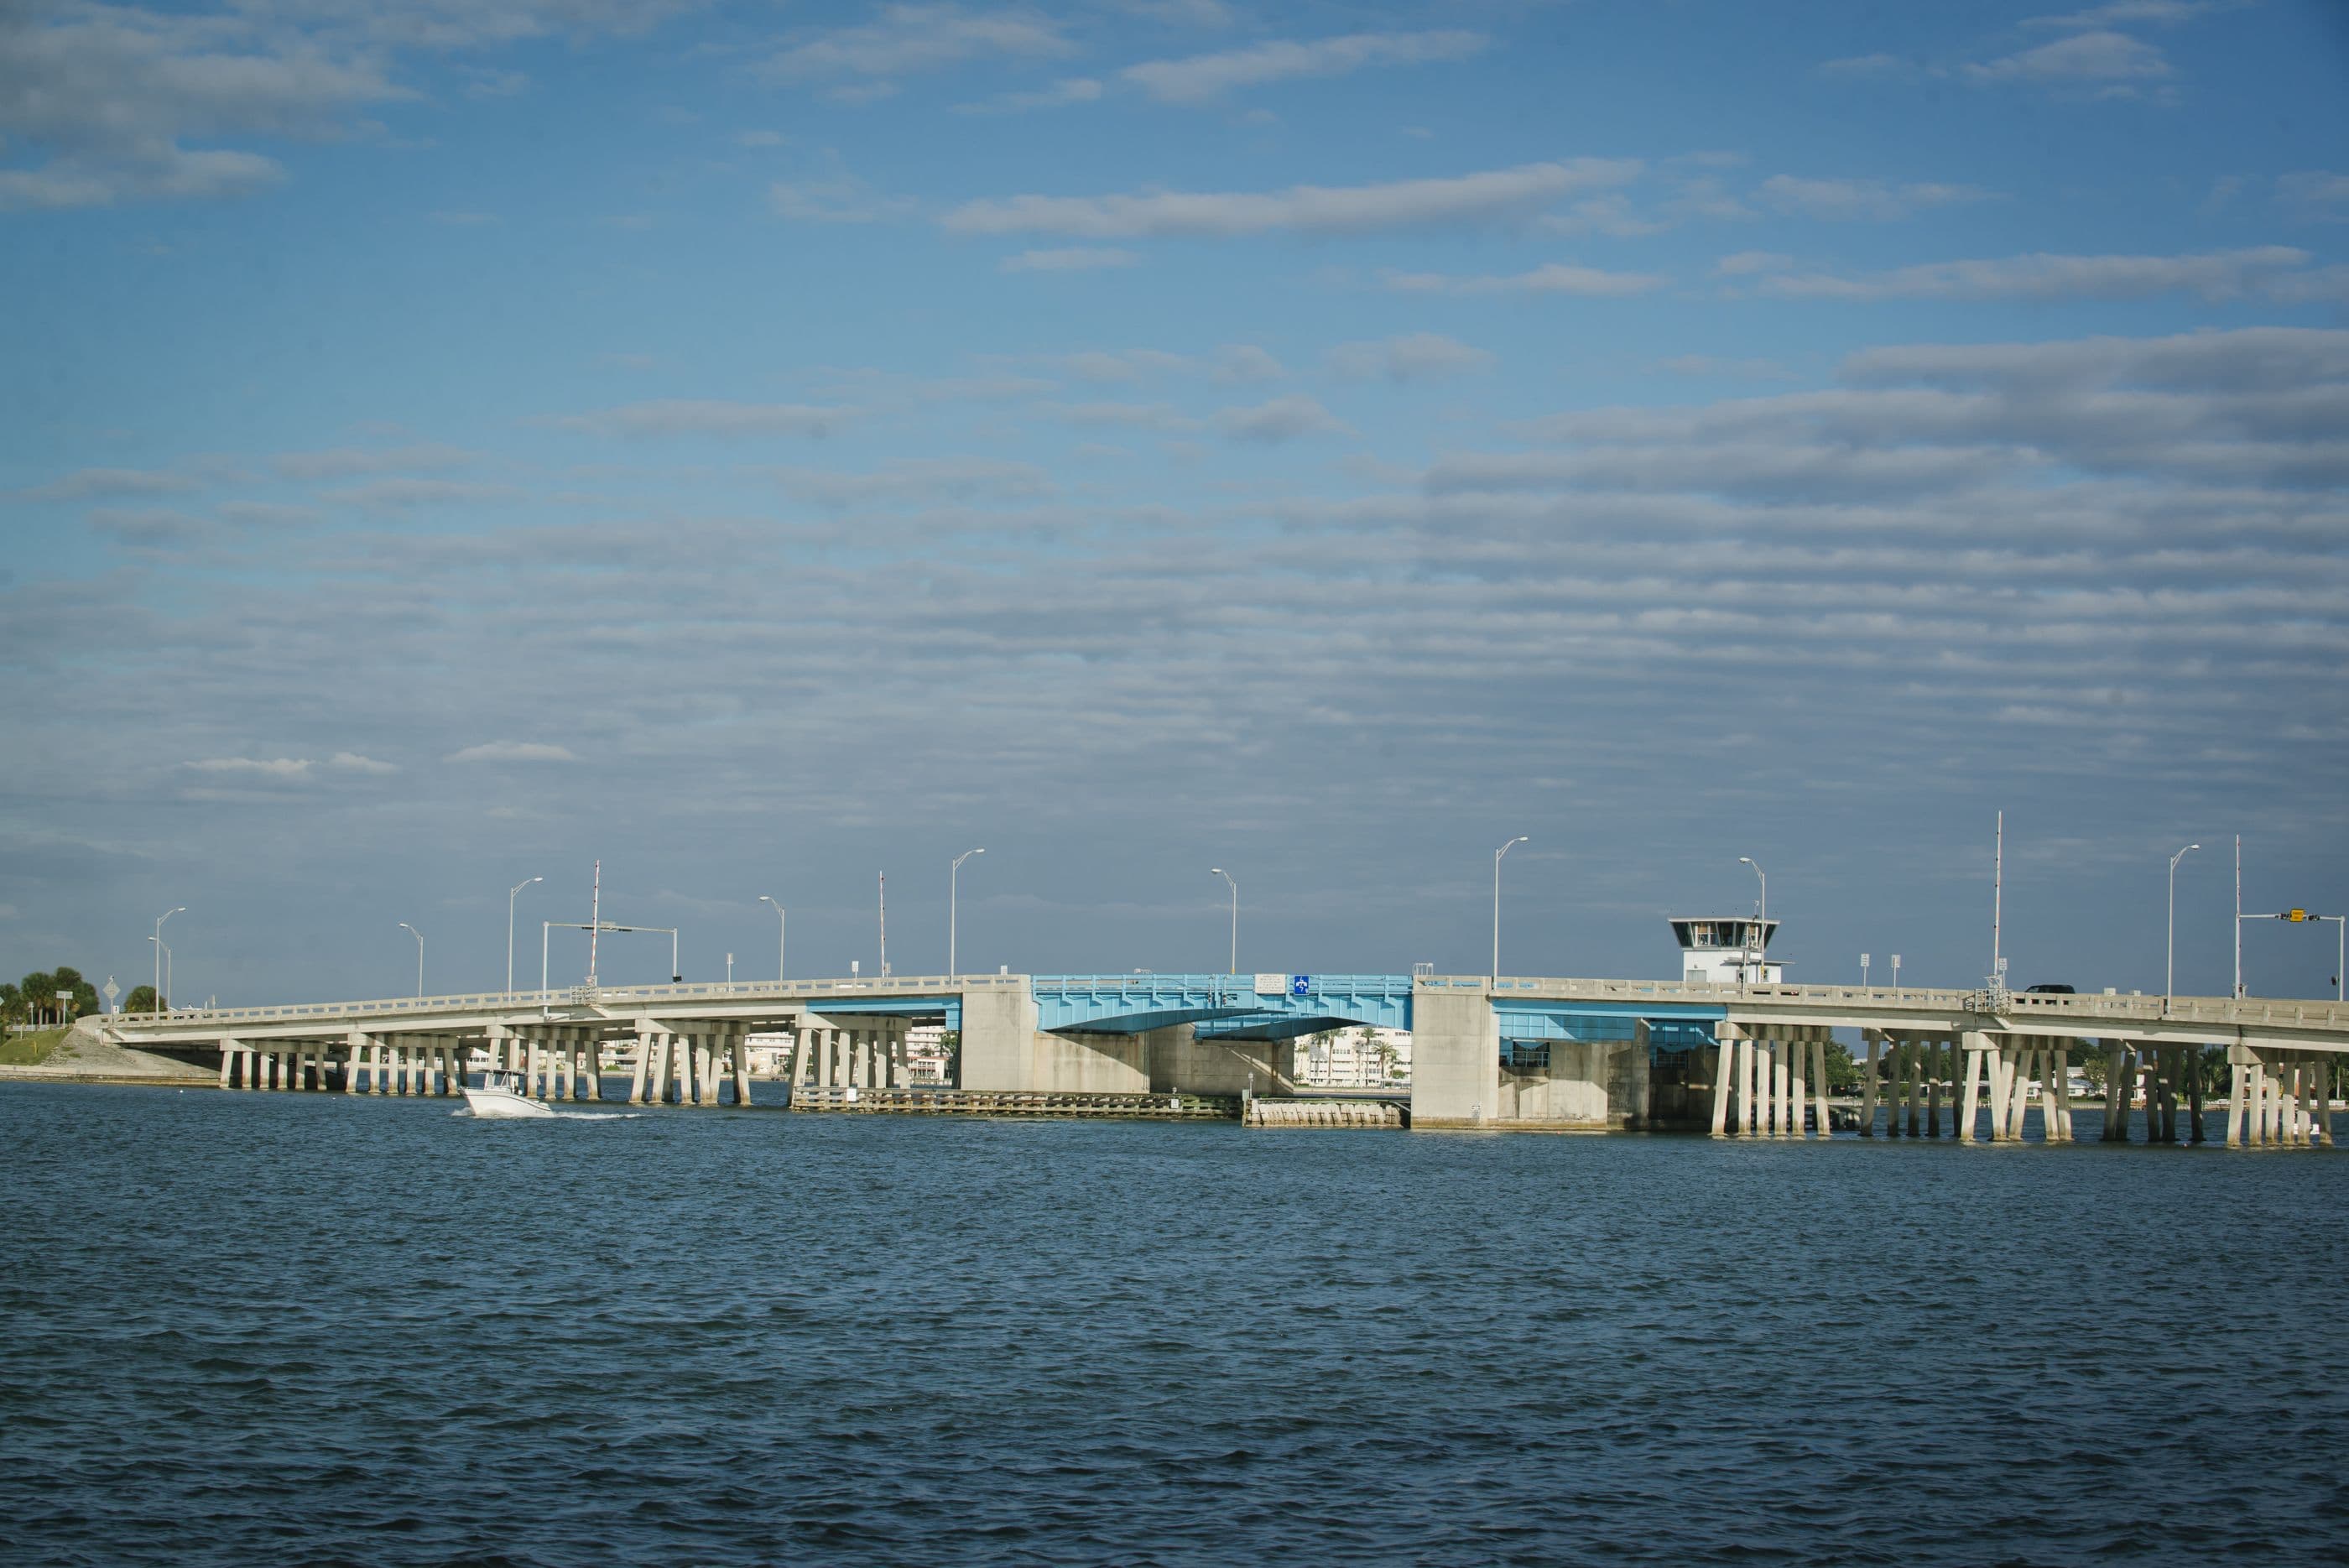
(2011, 1005)
(572, 996)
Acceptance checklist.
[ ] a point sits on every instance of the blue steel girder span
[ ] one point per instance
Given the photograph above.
(1670, 1027)
(1286, 1007)
(1222, 1006)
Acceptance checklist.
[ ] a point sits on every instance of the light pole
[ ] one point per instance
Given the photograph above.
(954, 879)
(413, 931)
(163, 955)
(2169, 958)
(1219, 871)
(510, 908)
(160, 992)
(1504, 849)
(1762, 924)
(779, 937)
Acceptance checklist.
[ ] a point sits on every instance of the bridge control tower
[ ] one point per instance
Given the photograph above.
(1727, 950)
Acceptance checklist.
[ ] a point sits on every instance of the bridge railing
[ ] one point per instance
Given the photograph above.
(567, 997)
(2013, 1006)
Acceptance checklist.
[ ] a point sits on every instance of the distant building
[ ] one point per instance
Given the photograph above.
(1354, 1058)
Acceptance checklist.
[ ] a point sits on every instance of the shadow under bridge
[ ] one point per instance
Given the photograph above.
(1221, 1006)
(1529, 1027)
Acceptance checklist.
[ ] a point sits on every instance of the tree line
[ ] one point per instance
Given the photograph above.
(56, 998)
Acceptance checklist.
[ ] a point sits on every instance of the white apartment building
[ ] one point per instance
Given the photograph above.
(1356, 1057)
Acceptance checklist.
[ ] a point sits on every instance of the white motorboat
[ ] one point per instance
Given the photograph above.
(500, 1096)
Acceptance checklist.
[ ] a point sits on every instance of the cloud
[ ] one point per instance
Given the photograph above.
(2315, 193)
(512, 751)
(2263, 405)
(113, 93)
(86, 483)
(1072, 258)
(1283, 419)
(836, 196)
(1417, 357)
(917, 480)
(1247, 365)
(1059, 95)
(147, 528)
(1202, 78)
(2123, 13)
(348, 462)
(1877, 64)
(353, 762)
(759, 139)
(2271, 271)
(710, 417)
(1128, 416)
(1873, 199)
(1744, 263)
(905, 39)
(1711, 365)
(2093, 57)
(1551, 278)
(274, 769)
(401, 492)
(267, 514)
(1470, 199)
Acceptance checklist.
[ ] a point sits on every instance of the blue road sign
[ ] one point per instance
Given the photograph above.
(1300, 984)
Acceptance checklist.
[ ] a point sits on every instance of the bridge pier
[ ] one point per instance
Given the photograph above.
(2280, 1099)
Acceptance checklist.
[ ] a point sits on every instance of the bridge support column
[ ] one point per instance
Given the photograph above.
(2316, 1095)
(636, 1076)
(228, 1060)
(1908, 1073)
(1820, 1092)
(658, 1093)
(1976, 1046)
(738, 1046)
(1749, 1109)
(1872, 1047)
(1791, 1084)
(1725, 1062)
(2239, 1085)
(2060, 1085)
(705, 1067)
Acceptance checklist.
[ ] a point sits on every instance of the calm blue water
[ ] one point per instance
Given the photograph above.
(264, 1328)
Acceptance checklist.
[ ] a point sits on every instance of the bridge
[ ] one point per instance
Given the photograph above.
(1508, 1053)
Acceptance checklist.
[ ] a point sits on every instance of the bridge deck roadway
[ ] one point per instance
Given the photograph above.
(2185, 1020)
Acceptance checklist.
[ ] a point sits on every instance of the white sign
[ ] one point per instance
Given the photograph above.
(1272, 985)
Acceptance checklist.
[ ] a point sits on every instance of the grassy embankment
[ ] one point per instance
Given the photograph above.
(30, 1049)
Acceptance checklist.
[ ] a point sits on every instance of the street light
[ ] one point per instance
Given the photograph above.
(413, 931)
(1219, 871)
(159, 949)
(1504, 849)
(163, 949)
(954, 876)
(779, 937)
(1761, 922)
(510, 908)
(2169, 959)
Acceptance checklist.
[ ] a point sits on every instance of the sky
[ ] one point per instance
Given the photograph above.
(763, 447)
